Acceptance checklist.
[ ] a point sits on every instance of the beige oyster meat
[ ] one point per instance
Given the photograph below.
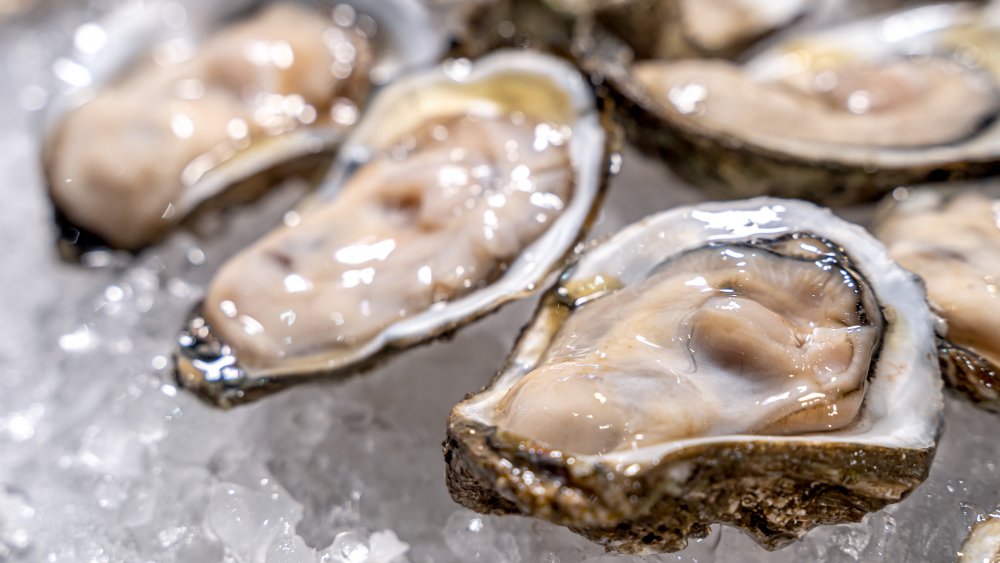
(726, 339)
(759, 363)
(124, 165)
(469, 192)
(443, 221)
(952, 241)
(838, 115)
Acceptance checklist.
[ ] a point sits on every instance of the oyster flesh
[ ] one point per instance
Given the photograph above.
(837, 116)
(463, 188)
(952, 241)
(759, 363)
(161, 121)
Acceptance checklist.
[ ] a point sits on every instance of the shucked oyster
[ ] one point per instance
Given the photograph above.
(836, 116)
(463, 188)
(759, 363)
(952, 241)
(160, 121)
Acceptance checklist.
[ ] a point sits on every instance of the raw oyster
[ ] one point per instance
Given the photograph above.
(983, 543)
(158, 121)
(837, 116)
(798, 356)
(952, 241)
(463, 188)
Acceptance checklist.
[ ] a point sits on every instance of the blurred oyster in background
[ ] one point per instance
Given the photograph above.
(951, 239)
(838, 115)
(124, 163)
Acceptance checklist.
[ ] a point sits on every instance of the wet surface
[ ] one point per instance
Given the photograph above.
(103, 459)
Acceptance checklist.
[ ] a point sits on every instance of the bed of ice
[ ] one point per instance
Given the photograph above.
(102, 459)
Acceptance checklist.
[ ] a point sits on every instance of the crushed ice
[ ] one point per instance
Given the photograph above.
(102, 459)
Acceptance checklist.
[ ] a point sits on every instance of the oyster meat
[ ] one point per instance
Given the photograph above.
(952, 241)
(193, 118)
(759, 363)
(463, 188)
(838, 116)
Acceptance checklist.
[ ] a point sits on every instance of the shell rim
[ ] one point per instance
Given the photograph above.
(526, 354)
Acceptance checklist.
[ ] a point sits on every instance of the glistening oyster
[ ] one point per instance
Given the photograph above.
(951, 239)
(760, 363)
(463, 188)
(838, 115)
(169, 106)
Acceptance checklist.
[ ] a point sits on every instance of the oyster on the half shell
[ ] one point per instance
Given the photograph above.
(838, 115)
(171, 105)
(951, 239)
(463, 188)
(758, 363)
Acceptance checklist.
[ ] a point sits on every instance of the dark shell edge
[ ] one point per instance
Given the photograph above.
(772, 491)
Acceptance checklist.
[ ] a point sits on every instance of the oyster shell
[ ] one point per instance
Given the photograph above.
(837, 116)
(799, 359)
(156, 121)
(463, 188)
(951, 240)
